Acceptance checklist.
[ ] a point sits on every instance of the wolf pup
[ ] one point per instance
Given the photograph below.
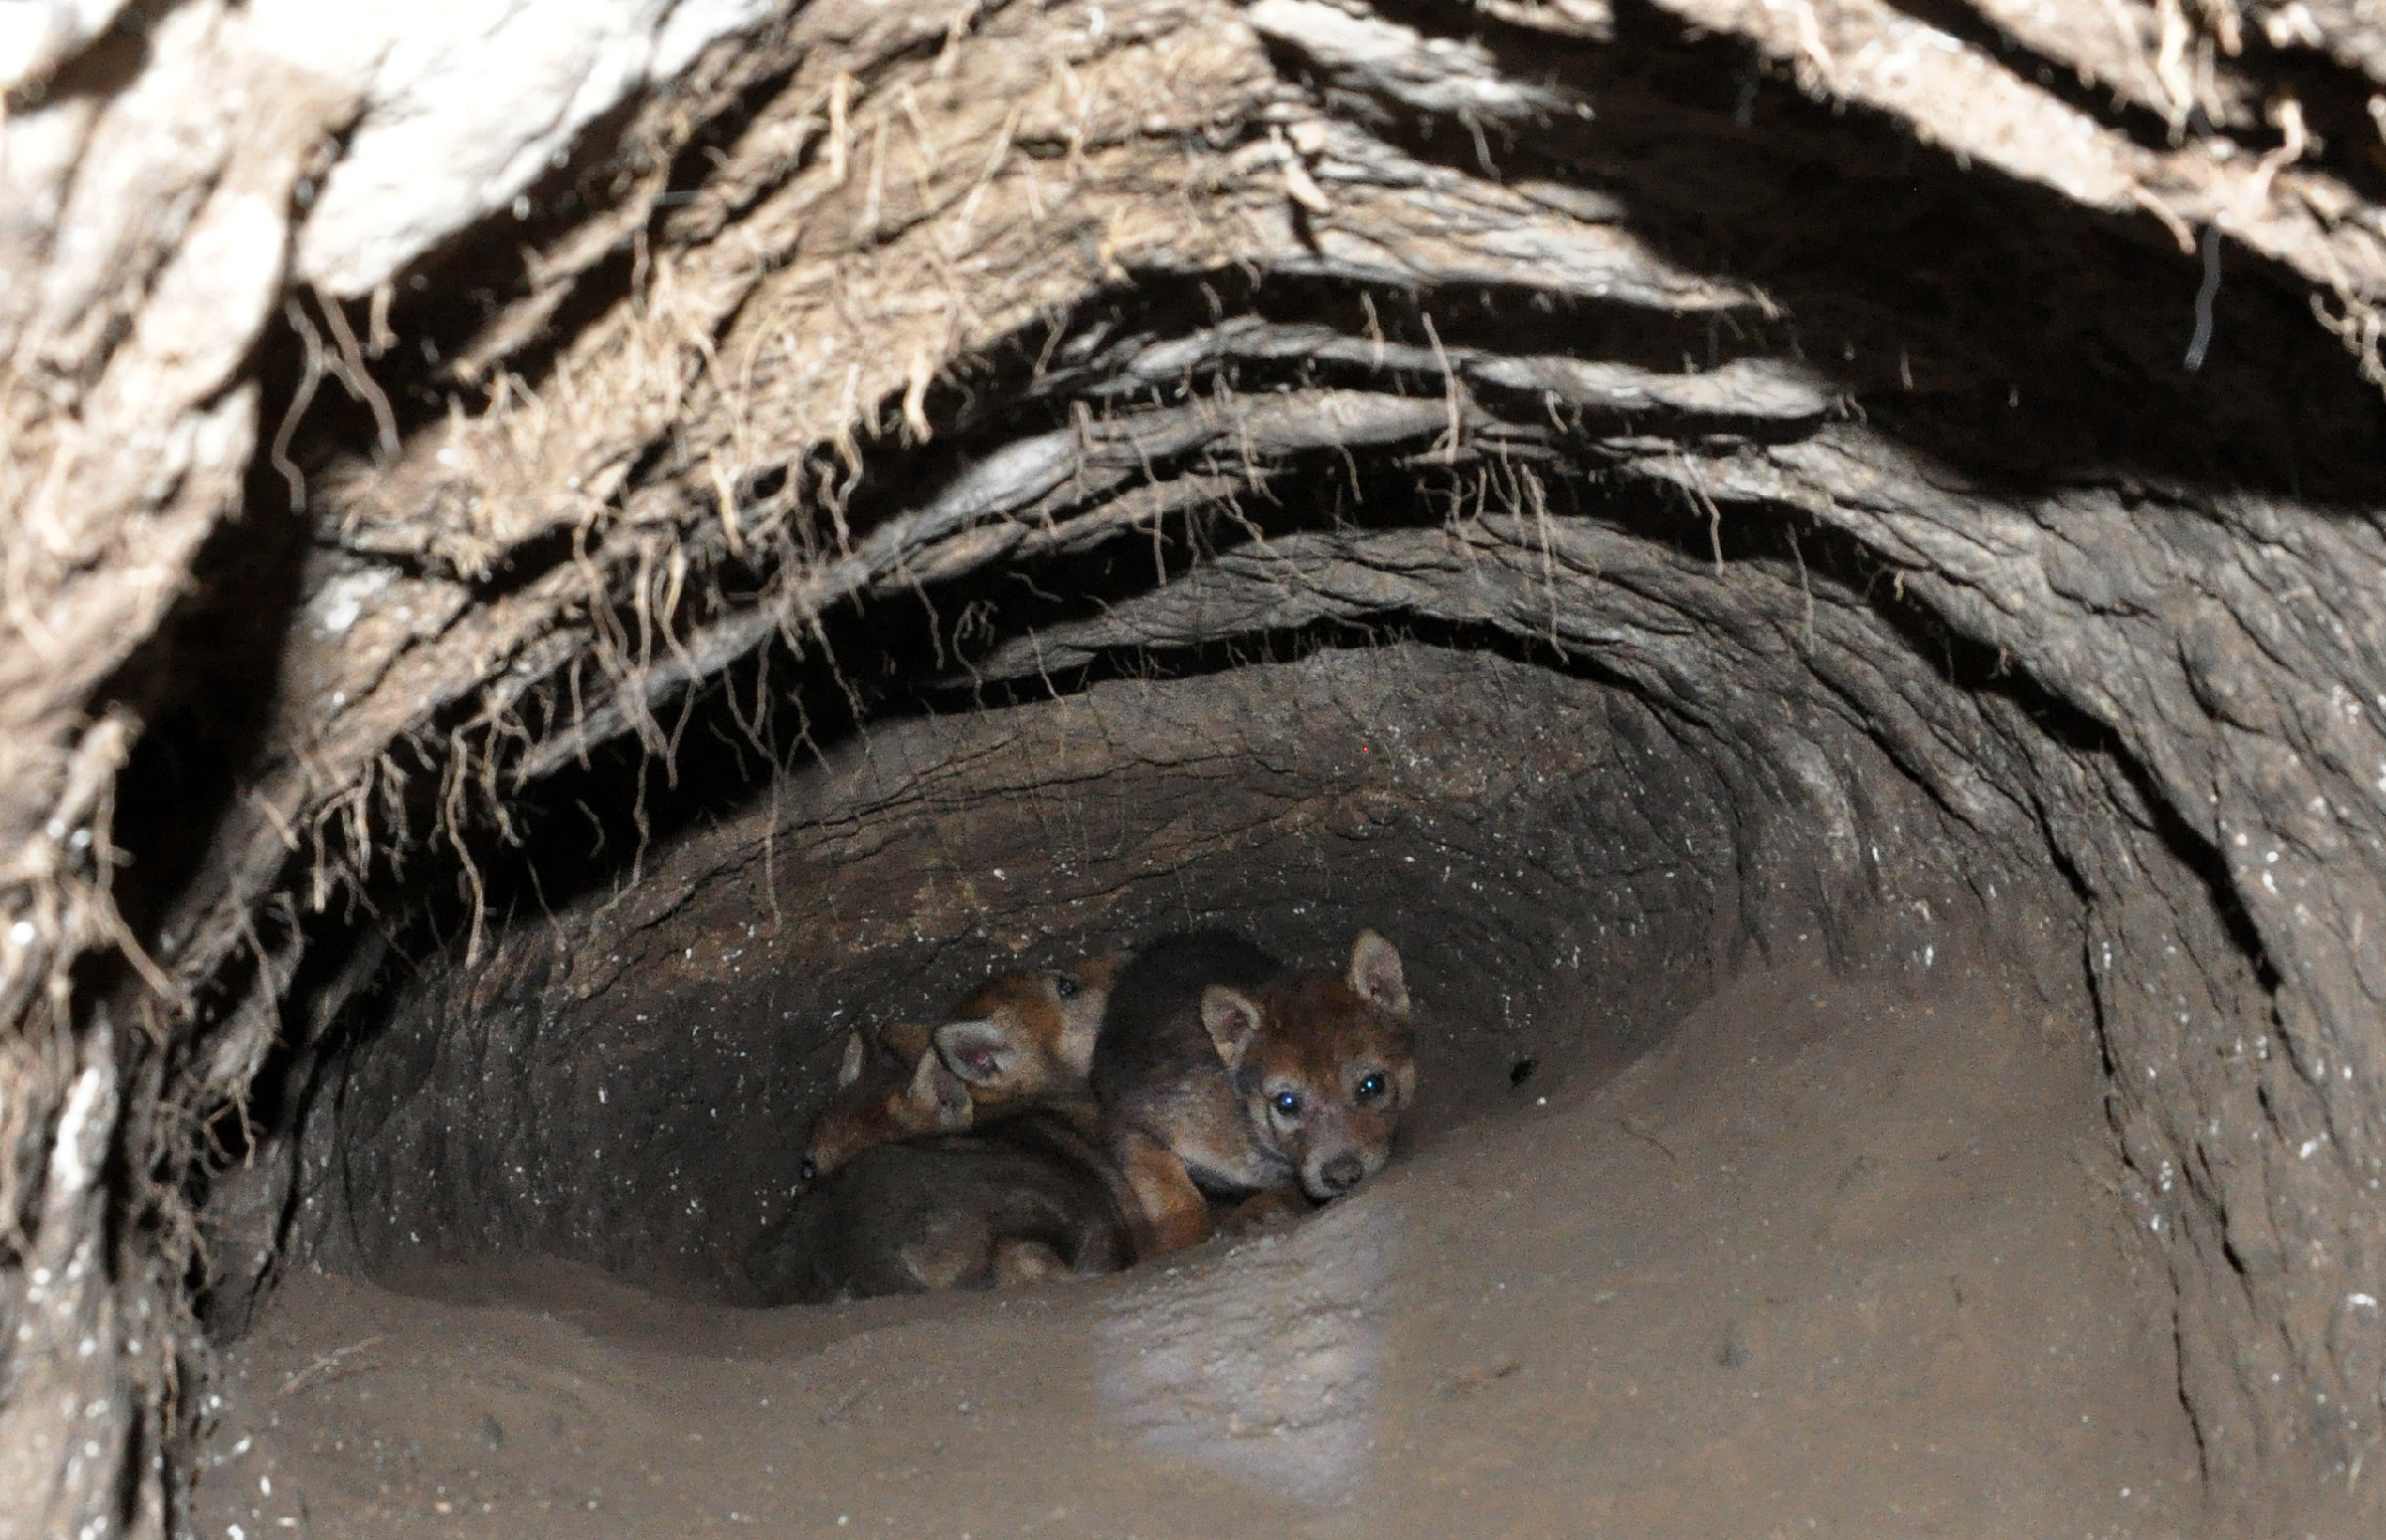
(1023, 1039)
(891, 1086)
(1222, 1073)
(1027, 1038)
(1029, 1198)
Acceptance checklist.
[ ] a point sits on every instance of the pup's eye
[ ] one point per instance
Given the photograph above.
(1064, 986)
(1287, 1102)
(1371, 1087)
(808, 1170)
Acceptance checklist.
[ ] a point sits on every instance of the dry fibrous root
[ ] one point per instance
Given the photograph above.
(79, 1086)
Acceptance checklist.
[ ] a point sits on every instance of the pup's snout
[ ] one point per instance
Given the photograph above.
(1342, 1173)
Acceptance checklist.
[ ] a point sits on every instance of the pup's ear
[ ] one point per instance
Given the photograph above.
(984, 1052)
(857, 1054)
(905, 1039)
(1375, 973)
(1232, 1021)
(937, 1091)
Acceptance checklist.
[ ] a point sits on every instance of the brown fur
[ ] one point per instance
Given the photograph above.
(1022, 1039)
(890, 1087)
(1205, 1034)
(1027, 1037)
(1030, 1197)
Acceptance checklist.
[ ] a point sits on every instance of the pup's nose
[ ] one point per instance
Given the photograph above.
(1342, 1173)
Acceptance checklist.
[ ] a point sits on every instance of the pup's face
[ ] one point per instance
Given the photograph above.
(1325, 1065)
(1027, 1034)
(891, 1086)
(1325, 1082)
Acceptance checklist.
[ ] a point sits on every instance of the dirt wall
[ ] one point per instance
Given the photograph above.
(624, 1079)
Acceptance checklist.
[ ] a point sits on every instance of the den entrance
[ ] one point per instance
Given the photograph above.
(1744, 1188)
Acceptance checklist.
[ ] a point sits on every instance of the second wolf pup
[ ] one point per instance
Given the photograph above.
(1222, 1073)
(891, 1085)
(1030, 1197)
(1027, 1037)
(1022, 1039)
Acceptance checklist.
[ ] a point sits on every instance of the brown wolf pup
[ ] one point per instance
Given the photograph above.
(1027, 1198)
(1221, 1072)
(1027, 1037)
(1020, 1040)
(890, 1087)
